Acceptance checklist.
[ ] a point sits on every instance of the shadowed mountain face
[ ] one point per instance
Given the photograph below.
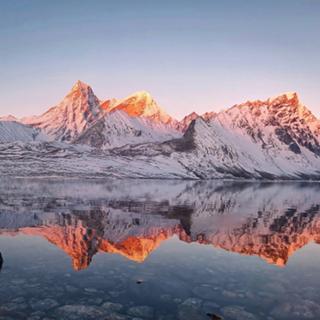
(132, 218)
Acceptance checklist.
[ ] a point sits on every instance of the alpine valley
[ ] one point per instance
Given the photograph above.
(276, 139)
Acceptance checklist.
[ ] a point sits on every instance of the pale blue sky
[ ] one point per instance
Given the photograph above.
(190, 55)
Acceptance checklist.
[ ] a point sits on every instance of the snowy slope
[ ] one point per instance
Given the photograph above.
(140, 104)
(117, 129)
(80, 109)
(185, 122)
(273, 139)
(276, 136)
(207, 116)
(75, 113)
(9, 117)
(11, 131)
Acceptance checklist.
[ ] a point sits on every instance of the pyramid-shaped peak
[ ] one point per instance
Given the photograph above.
(142, 104)
(196, 125)
(80, 85)
(80, 89)
(71, 116)
(189, 117)
(193, 114)
(185, 122)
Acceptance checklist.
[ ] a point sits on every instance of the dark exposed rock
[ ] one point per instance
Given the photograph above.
(286, 138)
(93, 136)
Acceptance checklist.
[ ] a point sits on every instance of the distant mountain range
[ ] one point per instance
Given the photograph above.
(133, 137)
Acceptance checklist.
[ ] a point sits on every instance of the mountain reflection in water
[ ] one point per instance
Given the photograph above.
(133, 218)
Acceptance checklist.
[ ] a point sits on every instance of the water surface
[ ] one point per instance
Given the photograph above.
(159, 250)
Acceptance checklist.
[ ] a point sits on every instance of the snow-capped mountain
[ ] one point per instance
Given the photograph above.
(274, 139)
(271, 139)
(74, 114)
(117, 129)
(278, 137)
(12, 131)
(9, 117)
(139, 104)
(207, 116)
(107, 105)
(185, 122)
(80, 117)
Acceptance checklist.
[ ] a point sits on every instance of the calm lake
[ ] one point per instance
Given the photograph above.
(141, 249)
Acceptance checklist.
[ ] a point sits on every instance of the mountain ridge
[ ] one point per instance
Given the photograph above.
(63, 122)
(117, 129)
(278, 138)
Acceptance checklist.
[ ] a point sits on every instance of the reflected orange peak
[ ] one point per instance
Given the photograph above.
(81, 243)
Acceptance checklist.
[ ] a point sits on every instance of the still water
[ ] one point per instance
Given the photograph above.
(159, 250)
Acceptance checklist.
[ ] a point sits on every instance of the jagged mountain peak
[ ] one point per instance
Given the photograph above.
(207, 116)
(197, 127)
(276, 138)
(140, 100)
(8, 117)
(285, 98)
(289, 105)
(284, 108)
(142, 94)
(279, 125)
(189, 118)
(80, 85)
(108, 104)
(142, 104)
(75, 113)
(193, 115)
(80, 89)
(185, 122)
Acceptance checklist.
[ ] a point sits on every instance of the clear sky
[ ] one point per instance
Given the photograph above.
(198, 55)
